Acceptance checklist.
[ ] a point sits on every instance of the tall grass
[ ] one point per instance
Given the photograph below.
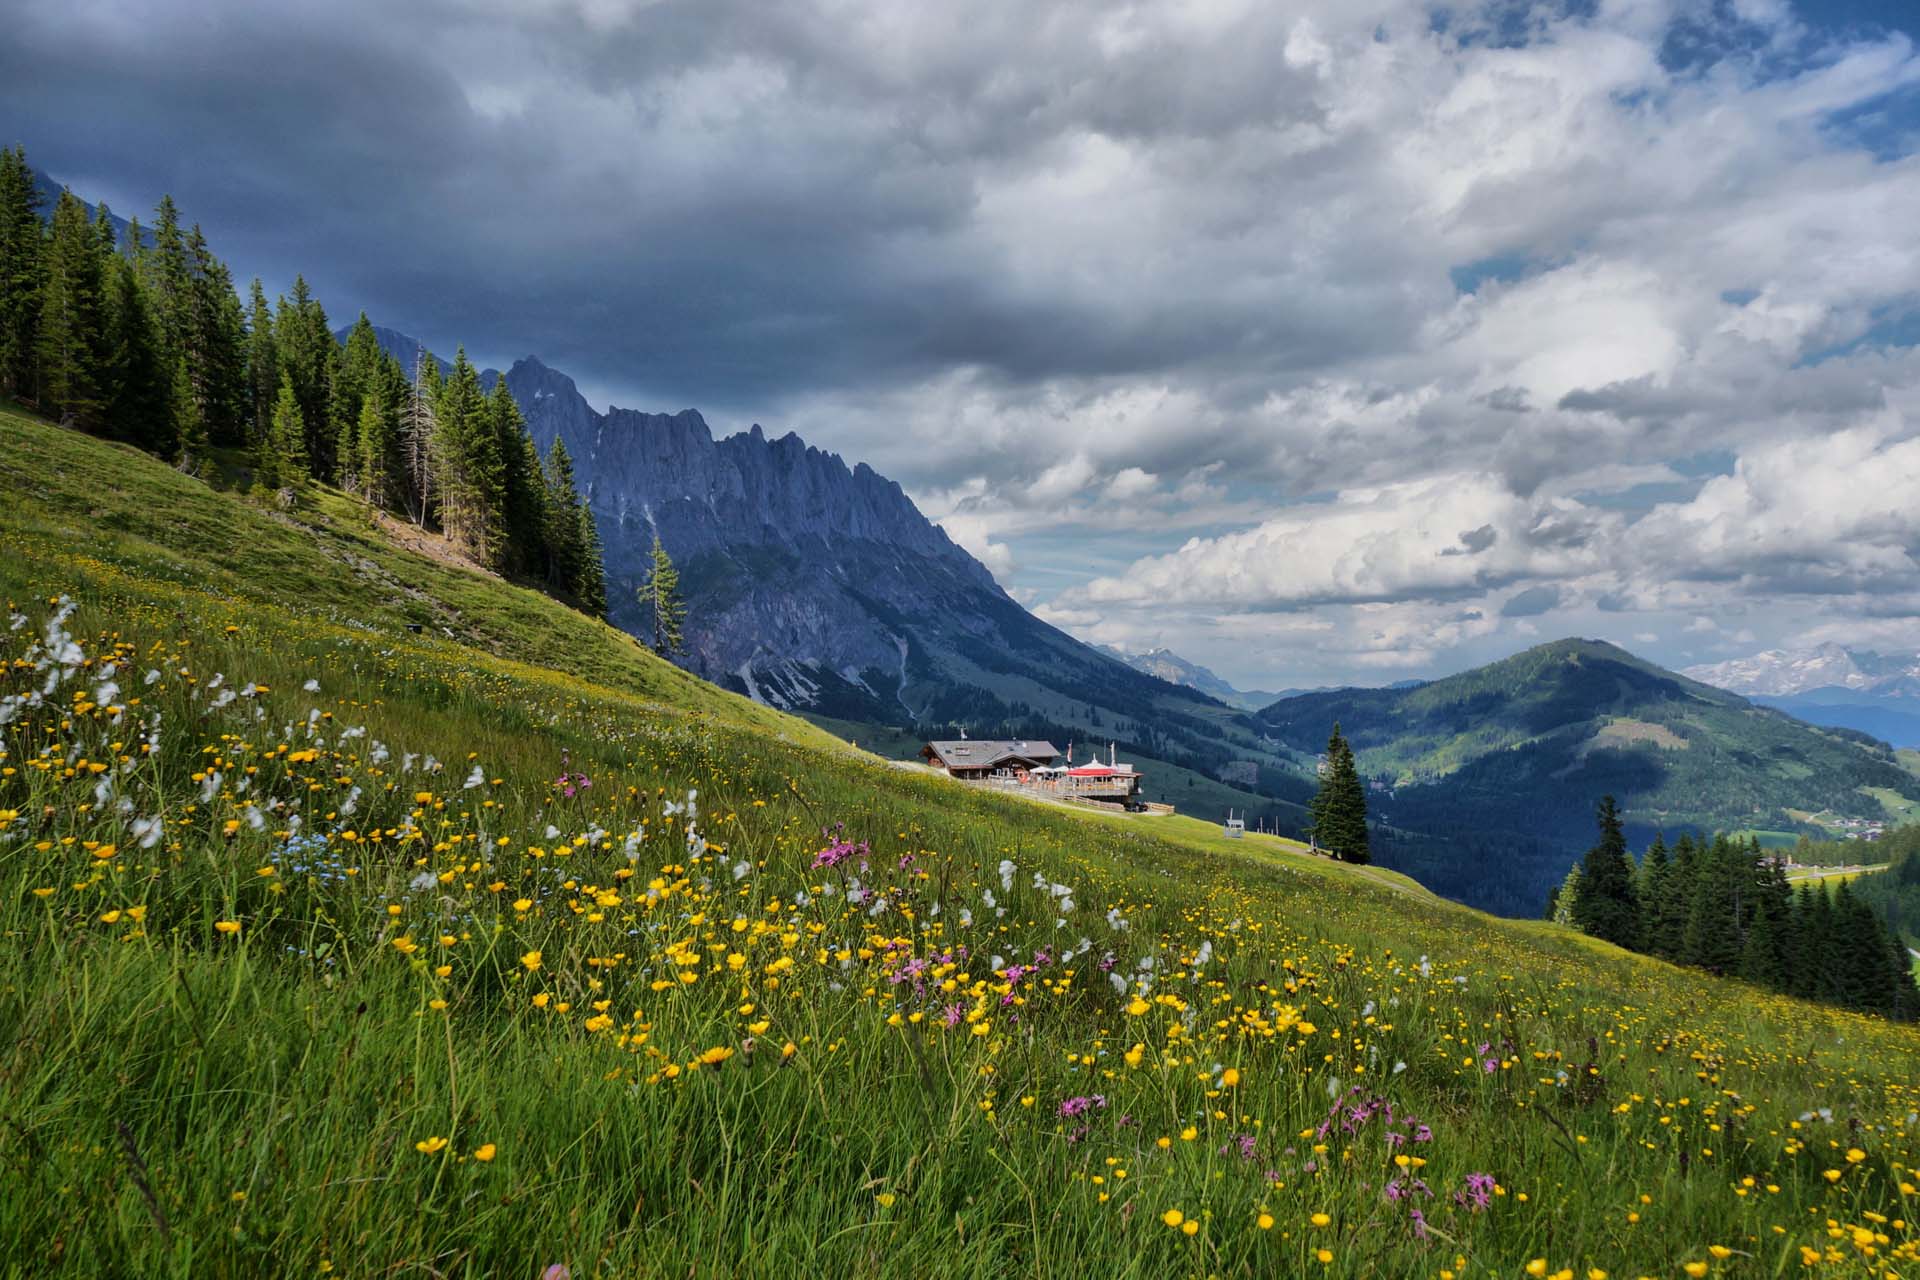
(342, 979)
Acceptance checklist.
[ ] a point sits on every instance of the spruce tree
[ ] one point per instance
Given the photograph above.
(1350, 809)
(263, 363)
(139, 408)
(418, 433)
(565, 552)
(22, 253)
(189, 429)
(1607, 907)
(1760, 953)
(1650, 890)
(589, 586)
(280, 459)
(359, 367)
(70, 346)
(522, 491)
(308, 359)
(373, 439)
(1566, 899)
(470, 475)
(1338, 812)
(660, 598)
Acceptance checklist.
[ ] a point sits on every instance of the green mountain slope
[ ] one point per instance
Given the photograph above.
(314, 962)
(1500, 767)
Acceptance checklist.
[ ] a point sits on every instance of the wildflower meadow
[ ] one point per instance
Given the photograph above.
(332, 948)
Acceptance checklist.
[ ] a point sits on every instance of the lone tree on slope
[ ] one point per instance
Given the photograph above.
(660, 596)
(1339, 809)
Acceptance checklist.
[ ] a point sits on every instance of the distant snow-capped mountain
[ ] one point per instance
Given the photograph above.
(1174, 669)
(1875, 693)
(1785, 672)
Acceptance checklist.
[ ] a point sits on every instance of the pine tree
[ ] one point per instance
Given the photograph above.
(417, 433)
(470, 474)
(1339, 808)
(70, 347)
(1566, 899)
(168, 279)
(22, 253)
(660, 598)
(589, 586)
(263, 363)
(1760, 953)
(219, 344)
(359, 366)
(1607, 907)
(1668, 914)
(522, 490)
(565, 554)
(1650, 890)
(373, 438)
(189, 429)
(309, 359)
(139, 407)
(280, 459)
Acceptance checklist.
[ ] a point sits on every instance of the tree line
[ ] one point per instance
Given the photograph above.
(1722, 905)
(142, 337)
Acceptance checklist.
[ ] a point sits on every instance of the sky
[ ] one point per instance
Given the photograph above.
(1322, 341)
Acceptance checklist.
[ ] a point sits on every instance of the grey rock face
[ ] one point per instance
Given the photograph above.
(795, 566)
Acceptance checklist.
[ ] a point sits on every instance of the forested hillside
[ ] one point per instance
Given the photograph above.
(139, 336)
(1500, 767)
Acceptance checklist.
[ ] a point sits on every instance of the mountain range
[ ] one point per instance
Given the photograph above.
(1830, 684)
(1174, 669)
(1499, 767)
(819, 588)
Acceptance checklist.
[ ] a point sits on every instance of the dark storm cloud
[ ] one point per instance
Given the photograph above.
(1187, 274)
(719, 204)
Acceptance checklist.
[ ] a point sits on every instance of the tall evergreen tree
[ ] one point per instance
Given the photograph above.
(660, 599)
(22, 251)
(1760, 953)
(590, 585)
(359, 366)
(565, 553)
(280, 458)
(1649, 890)
(522, 492)
(1339, 808)
(70, 348)
(215, 336)
(263, 363)
(470, 475)
(417, 435)
(139, 407)
(308, 361)
(1607, 907)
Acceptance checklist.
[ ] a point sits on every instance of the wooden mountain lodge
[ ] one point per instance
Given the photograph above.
(1037, 768)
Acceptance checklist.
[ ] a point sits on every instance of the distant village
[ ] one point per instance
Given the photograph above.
(1038, 769)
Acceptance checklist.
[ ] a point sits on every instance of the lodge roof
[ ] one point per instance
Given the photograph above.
(985, 753)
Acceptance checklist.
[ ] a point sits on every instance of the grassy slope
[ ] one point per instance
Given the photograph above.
(180, 1100)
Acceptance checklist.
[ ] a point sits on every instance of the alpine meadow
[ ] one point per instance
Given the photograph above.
(1313, 673)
